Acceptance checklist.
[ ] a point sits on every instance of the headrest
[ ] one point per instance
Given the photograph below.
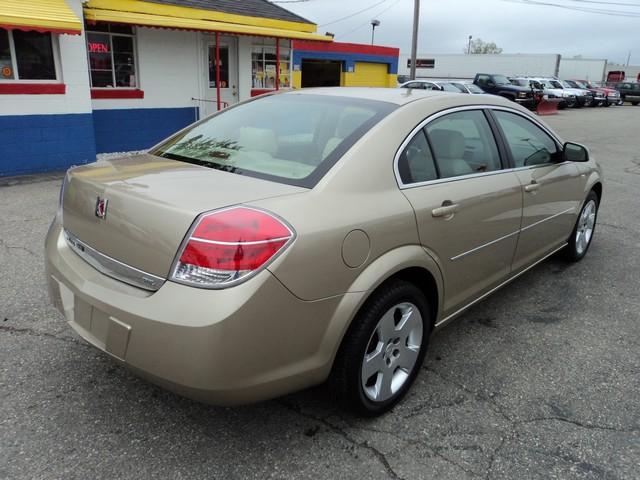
(447, 143)
(258, 139)
(350, 121)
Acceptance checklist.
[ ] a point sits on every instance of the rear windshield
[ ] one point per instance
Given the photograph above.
(288, 138)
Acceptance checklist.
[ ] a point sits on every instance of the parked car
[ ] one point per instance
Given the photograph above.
(422, 84)
(611, 94)
(629, 92)
(311, 234)
(566, 99)
(582, 97)
(500, 85)
(599, 96)
(466, 86)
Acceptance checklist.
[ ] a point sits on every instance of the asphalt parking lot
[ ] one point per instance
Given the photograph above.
(540, 381)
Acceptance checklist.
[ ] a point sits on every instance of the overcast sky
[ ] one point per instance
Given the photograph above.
(445, 25)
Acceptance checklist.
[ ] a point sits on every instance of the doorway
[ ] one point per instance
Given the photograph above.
(228, 74)
(321, 73)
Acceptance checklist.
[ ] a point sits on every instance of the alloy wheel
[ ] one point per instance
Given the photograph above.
(586, 224)
(392, 352)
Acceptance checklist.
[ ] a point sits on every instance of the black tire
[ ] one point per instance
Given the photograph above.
(573, 252)
(345, 381)
(607, 104)
(634, 103)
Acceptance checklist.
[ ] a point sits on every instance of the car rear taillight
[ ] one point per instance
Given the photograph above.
(227, 246)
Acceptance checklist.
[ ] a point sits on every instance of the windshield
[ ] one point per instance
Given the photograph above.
(473, 88)
(290, 138)
(566, 84)
(452, 87)
(501, 80)
(573, 84)
(554, 83)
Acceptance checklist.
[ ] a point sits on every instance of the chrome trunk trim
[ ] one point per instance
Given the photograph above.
(112, 267)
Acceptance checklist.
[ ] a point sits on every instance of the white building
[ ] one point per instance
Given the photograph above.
(83, 77)
(466, 66)
(544, 65)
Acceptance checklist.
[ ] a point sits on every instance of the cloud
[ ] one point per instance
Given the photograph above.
(446, 25)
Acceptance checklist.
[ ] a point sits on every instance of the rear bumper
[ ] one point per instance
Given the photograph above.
(239, 345)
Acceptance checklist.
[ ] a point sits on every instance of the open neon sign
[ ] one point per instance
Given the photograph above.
(97, 47)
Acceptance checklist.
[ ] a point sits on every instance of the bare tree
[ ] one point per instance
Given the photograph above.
(478, 46)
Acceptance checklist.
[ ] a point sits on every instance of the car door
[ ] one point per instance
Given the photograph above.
(550, 188)
(468, 207)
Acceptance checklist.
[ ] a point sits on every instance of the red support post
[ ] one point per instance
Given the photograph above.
(218, 69)
(277, 63)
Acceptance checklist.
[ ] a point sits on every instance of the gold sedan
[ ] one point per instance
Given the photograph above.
(313, 234)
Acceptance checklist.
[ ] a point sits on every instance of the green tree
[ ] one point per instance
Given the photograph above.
(478, 46)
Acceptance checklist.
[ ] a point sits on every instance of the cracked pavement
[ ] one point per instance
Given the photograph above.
(540, 381)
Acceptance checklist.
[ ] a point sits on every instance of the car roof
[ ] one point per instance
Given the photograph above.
(399, 96)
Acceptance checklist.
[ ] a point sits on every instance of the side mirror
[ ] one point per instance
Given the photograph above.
(574, 152)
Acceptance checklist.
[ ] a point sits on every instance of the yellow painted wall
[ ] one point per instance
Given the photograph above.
(367, 75)
(296, 79)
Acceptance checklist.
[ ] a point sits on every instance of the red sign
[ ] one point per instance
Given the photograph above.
(97, 47)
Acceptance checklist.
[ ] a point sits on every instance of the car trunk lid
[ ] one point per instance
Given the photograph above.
(149, 205)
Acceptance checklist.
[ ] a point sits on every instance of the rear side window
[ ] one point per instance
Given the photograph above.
(483, 79)
(416, 162)
(463, 144)
(290, 138)
(528, 143)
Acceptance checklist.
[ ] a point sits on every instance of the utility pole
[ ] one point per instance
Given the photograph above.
(628, 58)
(469, 46)
(414, 39)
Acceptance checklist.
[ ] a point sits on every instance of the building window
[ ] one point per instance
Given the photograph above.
(263, 67)
(111, 51)
(26, 56)
(224, 66)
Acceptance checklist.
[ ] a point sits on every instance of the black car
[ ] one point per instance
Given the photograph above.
(629, 92)
(500, 85)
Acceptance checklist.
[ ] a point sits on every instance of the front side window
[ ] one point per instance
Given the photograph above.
(263, 67)
(291, 138)
(26, 56)
(111, 50)
(463, 144)
(528, 143)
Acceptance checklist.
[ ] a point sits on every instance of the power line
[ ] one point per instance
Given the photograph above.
(377, 15)
(615, 13)
(352, 14)
(620, 4)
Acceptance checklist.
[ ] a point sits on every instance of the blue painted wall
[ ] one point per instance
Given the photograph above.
(41, 143)
(350, 59)
(129, 129)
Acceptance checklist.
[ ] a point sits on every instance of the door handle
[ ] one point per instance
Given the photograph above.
(532, 187)
(448, 208)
